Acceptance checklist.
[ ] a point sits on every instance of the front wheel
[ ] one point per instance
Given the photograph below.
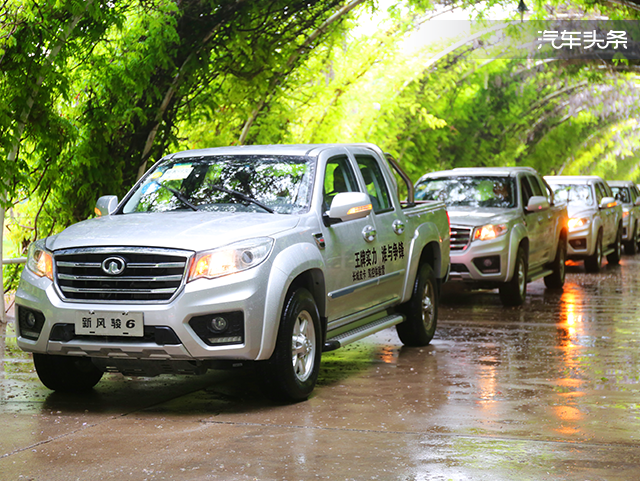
(555, 280)
(514, 292)
(421, 311)
(593, 262)
(292, 371)
(616, 255)
(66, 373)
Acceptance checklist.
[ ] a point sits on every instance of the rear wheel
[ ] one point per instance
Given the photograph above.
(292, 371)
(421, 311)
(593, 262)
(66, 373)
(514, 292)
(616, 255)
(555, 280)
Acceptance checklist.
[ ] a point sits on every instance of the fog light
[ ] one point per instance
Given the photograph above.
(30, 320)
(218, 324)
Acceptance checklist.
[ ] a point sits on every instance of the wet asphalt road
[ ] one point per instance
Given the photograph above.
(547, 391)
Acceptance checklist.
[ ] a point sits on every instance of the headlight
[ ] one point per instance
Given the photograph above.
(577, 222)
(230, 259)
(39, 260)
(625, 214)
(489, 231)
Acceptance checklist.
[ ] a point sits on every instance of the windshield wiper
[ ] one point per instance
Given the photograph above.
(179, 195)
(242, 196)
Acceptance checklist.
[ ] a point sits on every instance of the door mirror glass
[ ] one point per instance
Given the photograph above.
(350, 205)
(607, 202)
(106, 205)
(537, 203)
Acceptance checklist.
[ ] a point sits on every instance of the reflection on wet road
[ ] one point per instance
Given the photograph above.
(550, 390)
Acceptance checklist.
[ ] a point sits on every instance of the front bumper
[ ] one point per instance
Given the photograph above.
(581, 242)
(236, 293)
(482, 262)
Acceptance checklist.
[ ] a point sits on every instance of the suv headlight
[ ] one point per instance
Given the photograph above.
(39, 260)
(489, 231)
(577, 222)
(230, 259)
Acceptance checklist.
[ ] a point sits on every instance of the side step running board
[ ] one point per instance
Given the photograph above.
(361, 332)
(538, 275)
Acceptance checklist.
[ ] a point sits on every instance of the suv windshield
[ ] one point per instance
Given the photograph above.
(622, 194)
(469, 191)
(226, 183)
(573, 194)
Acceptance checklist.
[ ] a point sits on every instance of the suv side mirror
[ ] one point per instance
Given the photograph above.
(537, 203)
(106, 205)
(607, 202)
(350, 205)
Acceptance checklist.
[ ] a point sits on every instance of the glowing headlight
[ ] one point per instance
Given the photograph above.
(489, 231)
(39, 260)
(230, 259)
(577, 222)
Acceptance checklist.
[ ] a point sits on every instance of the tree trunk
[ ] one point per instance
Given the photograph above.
(20, 127)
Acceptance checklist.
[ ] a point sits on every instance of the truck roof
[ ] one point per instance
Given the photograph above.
(273, 149)
(621, 183)
(500, 171)
(572, 179)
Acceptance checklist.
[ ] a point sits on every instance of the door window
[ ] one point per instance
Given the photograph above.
(338, 177)
(375, 183)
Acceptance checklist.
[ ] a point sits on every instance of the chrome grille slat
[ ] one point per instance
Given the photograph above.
(119, 291)
(460, 237)
(150, 274)
(68, 277)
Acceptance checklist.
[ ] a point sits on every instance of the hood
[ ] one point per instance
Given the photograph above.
(195, 231)
(580, 210)
(479, 216)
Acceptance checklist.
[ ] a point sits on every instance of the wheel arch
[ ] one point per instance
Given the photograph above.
(296, 266)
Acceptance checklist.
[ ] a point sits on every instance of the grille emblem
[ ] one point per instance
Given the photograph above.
(113, 265)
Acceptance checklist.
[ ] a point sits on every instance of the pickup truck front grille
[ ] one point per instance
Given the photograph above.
(120, 274)
(460, 237)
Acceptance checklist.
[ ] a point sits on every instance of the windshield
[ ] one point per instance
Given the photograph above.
(469, 191)
(573, 194)
(622, 194)
(226, 183)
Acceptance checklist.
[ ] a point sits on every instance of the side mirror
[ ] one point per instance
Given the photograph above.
(607, 202)
(106, 205)
(350, 205)
(537, 203)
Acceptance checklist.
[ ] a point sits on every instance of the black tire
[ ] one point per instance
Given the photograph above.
(616, 255)
(631, 247)
(292, 371)
(66, 373)
(555, 280)
(514, 292)
(421, 311)
(594, 261)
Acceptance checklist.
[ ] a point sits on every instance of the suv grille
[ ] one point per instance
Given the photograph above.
(459, 237)
(120, 274)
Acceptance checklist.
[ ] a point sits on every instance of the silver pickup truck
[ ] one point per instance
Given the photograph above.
(595, 219)
(262, 255)
(506, 229)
